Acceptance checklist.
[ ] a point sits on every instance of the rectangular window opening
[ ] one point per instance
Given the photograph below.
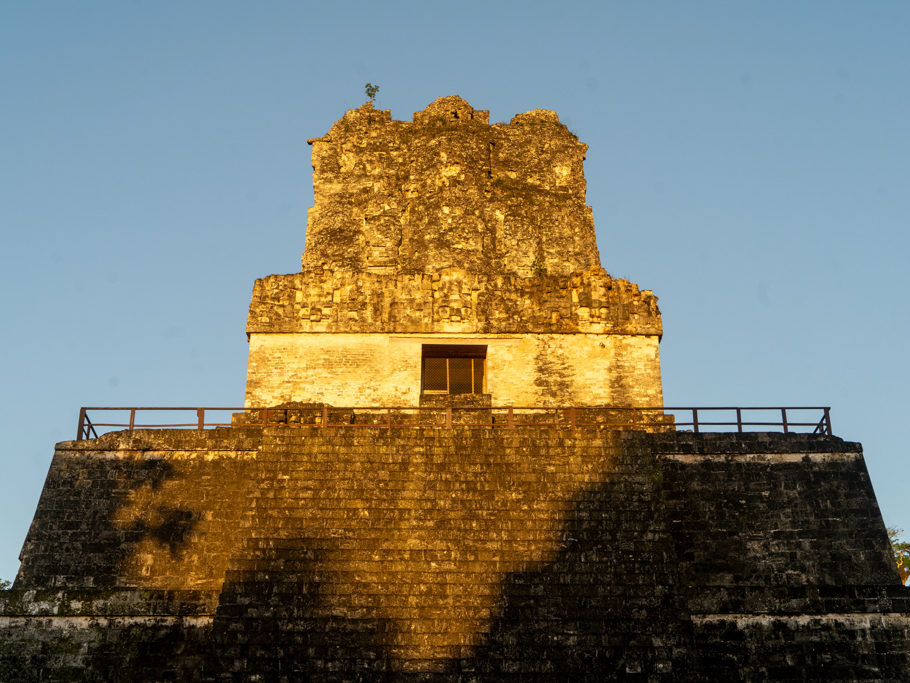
(454, 368)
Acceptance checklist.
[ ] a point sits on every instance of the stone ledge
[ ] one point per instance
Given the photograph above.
(707, 443)
(807, 599)
(222, 440)
(107, 603)
(98, 622)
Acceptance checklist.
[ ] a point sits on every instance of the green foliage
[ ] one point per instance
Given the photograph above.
(901, 550)
(371, 91)
(4, 584)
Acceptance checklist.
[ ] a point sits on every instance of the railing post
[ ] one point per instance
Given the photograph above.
(827, 419)
(510, 421)
(264, 413)
(783, 417)
(132, 418)
(448, 417)
(325, 415)
(388, 418)
(695, 420)
(80, 429)
(572, 417)
(739, 420)
(200, 418)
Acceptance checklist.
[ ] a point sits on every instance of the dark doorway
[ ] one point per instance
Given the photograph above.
(454, 368)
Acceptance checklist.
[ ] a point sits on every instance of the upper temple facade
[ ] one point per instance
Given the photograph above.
(450, 260)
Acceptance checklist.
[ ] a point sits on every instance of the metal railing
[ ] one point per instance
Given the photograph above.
(815, 420)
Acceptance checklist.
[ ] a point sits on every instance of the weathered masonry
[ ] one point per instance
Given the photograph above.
(446, 256)
(450, 266)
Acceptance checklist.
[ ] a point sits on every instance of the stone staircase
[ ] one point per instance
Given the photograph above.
(415, 552)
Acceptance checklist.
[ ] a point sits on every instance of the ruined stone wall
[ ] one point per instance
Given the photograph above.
(521, 369)
(449, 190)
(467, 553)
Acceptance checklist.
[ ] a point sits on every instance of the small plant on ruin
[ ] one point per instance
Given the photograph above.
(371, 91)
(901, 550)
(5, 584)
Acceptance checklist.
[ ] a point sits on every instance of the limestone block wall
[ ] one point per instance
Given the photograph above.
(152, 509)
(782, 548)
(484, 554)
(347, 370)
(110, 636)
(354, 370)
(416, 552)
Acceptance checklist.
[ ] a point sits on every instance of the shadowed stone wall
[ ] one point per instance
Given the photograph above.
(458, 554)
(156, 509)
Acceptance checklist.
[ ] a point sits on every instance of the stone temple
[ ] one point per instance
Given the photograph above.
(453, 465)
(447, 245)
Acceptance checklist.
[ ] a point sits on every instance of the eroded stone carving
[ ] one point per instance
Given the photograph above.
(449, 190)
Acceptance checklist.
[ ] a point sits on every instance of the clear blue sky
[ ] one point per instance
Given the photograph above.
(748, 162)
